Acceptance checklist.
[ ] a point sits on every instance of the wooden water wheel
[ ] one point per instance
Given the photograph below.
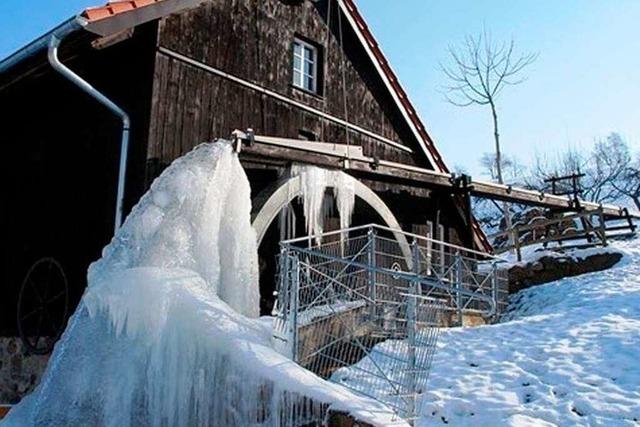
(43, 304)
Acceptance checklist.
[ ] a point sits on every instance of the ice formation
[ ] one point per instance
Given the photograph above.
(163, 335)
(314, 182)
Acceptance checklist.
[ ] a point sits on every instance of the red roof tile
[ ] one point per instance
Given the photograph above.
(113, 8)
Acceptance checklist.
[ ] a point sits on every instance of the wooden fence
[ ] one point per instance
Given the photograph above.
(589, 226)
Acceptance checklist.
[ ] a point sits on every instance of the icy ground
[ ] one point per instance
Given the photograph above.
(567, 354)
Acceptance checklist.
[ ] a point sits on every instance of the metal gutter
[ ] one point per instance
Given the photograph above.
(52, 54)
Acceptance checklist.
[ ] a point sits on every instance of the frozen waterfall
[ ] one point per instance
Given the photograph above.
(166, 334)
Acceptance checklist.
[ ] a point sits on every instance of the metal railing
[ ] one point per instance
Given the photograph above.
(363, 308)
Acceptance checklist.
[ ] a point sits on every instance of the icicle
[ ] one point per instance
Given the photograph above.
(345, 195)
(287, 223)
(314, 182)
(313, 185)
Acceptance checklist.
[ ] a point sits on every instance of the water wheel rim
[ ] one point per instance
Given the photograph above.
(55, 324)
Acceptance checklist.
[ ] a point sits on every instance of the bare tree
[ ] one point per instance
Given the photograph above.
(562, 163)
(608, 171)
(479, 71)
(512, 170)
(629, 185)
(616, 165)
(610, 161)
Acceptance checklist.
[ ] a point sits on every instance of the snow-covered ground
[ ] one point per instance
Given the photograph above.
(567, 354)
(533, 253)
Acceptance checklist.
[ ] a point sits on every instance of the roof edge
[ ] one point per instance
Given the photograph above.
(67, 27)
(361, 28)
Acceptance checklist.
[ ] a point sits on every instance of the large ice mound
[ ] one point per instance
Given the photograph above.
(164, 334)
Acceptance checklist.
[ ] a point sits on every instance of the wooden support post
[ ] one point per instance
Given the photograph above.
(515, 237)
(587, 225)
(629, 219)
(603, 228)
(371, 255)
(458, 286)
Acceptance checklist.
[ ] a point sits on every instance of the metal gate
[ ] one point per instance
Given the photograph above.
(362, 306)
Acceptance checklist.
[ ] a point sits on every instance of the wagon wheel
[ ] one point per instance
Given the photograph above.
(43, 303)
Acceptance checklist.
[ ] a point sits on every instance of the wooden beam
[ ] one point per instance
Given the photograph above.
(419, 177)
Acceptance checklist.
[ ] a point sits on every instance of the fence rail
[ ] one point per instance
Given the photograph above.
(363, 307)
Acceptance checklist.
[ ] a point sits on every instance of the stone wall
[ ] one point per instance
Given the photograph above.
(551, 267)
(19, 372)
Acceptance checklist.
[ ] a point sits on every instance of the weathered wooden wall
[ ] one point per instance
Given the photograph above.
(252, 39)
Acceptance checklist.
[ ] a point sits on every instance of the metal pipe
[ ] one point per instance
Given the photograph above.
(52, 54)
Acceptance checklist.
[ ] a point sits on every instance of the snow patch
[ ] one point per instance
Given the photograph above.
(565, 355)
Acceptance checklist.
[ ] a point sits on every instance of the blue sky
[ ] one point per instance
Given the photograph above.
(585, 83)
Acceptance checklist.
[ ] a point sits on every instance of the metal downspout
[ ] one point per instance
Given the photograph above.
(52, 54)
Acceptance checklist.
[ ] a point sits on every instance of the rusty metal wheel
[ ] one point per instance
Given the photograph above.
(43, 304)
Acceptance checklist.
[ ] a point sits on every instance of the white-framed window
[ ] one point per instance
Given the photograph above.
(305, 65)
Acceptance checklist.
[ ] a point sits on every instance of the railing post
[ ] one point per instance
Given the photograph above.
(282, 292)
(458, 285)
(282, 331)
(494, 286)
(411, 330)
(295, 305)
(429, 266)
(371, 261)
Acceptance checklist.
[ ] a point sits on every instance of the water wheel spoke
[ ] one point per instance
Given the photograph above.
(31, 313)
(35, 290)
(56, 297)
(44, 286)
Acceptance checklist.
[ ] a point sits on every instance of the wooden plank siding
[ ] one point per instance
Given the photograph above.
(252, 39)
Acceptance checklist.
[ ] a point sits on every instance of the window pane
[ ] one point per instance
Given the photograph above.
(297, 63)
(308, 53)
(297, 48)
(305, 67)
(308, 68)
